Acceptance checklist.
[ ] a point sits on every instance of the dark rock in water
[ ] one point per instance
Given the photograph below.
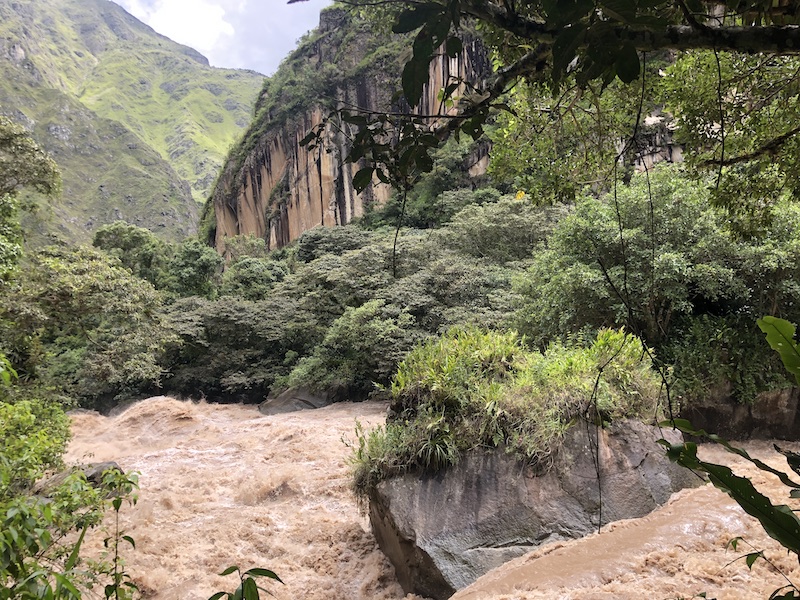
(295, 399)
(443, 531)
(773, 415)
(93, 472)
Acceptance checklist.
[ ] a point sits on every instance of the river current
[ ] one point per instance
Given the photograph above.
(224, 485)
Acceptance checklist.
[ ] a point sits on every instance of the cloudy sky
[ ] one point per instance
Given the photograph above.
(243, 34)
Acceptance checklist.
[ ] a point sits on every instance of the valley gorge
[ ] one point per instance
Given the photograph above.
(138, 124)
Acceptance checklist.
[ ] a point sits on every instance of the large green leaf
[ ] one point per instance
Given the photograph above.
(565, 48)
(619, 10)
(684, 426)
(362, 179)
(627, 63)
(416, 17)
(415, 76)
(779, 521)
(258, 572)
(780, 337)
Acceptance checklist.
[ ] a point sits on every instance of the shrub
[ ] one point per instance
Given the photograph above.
(678, 262)
(502, 231)
(360, 350)
(83, 325)
(252, 278)
(473, 388)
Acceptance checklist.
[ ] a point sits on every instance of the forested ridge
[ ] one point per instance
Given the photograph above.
(579, 278)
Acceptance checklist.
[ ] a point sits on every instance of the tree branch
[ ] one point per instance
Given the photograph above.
(767, 149)
(782, 39)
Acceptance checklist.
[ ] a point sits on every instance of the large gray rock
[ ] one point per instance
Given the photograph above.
(444, 531)
(295, 399)
(93, 472)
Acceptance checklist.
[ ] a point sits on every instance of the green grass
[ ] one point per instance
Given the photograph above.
(483, 389)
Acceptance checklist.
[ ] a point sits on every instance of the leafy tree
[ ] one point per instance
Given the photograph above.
(740, 116)
(507, 230)
(23, 164)
(360, 350)
(194, 269)
(252, 278)
(575, 52)
(245, 246)
(679, 277)
(319, 241)
(83, 324)
(233, 349)
(138, 249)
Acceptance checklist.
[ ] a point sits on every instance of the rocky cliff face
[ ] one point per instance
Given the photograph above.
(273, 188)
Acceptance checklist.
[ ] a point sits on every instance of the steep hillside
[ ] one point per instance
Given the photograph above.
(275, 189)
(138, 123)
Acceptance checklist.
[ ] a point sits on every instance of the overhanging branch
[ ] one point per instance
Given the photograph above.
(779, 39)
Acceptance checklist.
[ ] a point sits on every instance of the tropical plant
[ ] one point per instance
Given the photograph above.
(82, 324)
(23, 164)
(248, 589)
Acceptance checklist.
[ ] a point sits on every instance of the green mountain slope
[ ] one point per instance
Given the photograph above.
(139, 124)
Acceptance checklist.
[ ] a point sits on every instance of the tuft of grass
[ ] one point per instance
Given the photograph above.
(473, 388)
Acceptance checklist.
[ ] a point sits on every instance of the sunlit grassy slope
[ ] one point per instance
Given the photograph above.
(139, 124)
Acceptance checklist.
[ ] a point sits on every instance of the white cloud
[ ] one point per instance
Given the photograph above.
(250, 34)
(200, 24)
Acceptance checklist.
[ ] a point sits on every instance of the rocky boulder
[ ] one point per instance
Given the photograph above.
(295, 399)
(93, 473)
(774, 414)
(443, 531)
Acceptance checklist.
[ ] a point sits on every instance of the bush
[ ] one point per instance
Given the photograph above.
(194, 270)
(679, 263)
(252, 278)
(83, 325)
(360, 351)
(503, 231)
(473, 388)
(138, 249)
(319, 241)
(33, 436)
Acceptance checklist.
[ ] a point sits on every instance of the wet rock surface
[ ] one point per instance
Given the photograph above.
(773, 415)
(443, 531)
(295, 399)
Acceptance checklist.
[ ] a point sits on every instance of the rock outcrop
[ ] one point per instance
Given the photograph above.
(774, 414)
(444, 531)
(295, 399)
(274, 188)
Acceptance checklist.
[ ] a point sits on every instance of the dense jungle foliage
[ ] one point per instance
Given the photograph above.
(486, 322)
(340, 308)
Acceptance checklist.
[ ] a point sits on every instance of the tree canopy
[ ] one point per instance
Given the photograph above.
(738, 113)
(23, 164)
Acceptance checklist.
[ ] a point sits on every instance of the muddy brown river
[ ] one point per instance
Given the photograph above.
(223, 485)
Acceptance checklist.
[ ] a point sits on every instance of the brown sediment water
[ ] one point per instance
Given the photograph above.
(223, 485)
(679, 551)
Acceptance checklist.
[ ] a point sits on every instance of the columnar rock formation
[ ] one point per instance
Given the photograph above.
(278, 189)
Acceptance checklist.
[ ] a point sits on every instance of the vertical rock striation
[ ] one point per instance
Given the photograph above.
(274, 188)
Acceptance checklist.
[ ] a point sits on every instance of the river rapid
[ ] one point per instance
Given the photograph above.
(223, 485)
